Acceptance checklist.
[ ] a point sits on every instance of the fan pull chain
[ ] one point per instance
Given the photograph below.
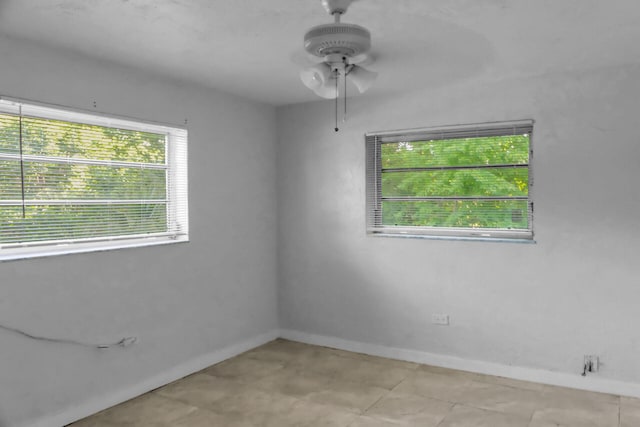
(344, 118)
(337, 78)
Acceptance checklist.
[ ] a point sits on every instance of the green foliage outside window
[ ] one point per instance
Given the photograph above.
(478, 182)
(73, 192)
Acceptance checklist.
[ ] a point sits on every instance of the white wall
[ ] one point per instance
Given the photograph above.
(543, 305)
(183, 301)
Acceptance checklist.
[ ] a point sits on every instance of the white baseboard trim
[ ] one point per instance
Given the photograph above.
(103, 402)
(562, 379)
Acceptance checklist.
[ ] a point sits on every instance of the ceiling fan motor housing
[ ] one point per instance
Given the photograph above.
(338, 38)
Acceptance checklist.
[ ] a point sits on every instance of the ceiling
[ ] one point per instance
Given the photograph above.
(249, 47)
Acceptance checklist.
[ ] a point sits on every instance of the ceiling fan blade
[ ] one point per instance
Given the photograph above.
(364, 59)
(362, 78)
(303, 59)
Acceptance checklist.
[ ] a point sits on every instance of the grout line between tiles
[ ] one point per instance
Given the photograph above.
(378, 400)
(619, 410)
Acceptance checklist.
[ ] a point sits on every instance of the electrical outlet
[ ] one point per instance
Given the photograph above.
(440, 319)
(591, 363)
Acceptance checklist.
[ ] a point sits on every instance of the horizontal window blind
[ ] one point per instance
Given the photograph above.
(459, 181)
(72, 177)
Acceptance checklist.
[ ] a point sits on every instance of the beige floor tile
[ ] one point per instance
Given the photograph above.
(293, 382)
(205, 418)
(564, 393)
(376, 374)
(437, 386)
(325, 363)
(239, 419)
(285, 351)
(366, 421)
(321, 359)
(244, 369)
(538, 423)
(356, 397)
(149, 410)
(629, 412)
(281, 351)
(463, 416)
(381, 373)
(410, 409)
(499, 398)
(482, 377)
(93, 421)
(375, 359)
(524, 385)
(309, 414)
(571, 418)
(253, 402)
(449, 372)
(633, 402)
(577, 408)
(200, 390)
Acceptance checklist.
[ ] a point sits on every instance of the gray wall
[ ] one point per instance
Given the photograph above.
(542, 305)
(183, 301)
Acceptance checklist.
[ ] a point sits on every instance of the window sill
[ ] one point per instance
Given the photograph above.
(14, 254)
(454, 238)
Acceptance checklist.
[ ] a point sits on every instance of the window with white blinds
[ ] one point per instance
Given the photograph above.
(75, 182)
(470, 181)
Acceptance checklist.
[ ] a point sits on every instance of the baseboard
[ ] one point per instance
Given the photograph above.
(562, 379)
(103, 402)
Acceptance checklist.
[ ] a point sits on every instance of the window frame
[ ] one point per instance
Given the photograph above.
(176, 166)
(374, 198)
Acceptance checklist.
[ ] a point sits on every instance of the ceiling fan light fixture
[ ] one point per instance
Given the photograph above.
(362, 78)
(316, 77)
(328, 91)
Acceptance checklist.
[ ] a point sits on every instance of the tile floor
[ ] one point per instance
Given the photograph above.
(285, 383)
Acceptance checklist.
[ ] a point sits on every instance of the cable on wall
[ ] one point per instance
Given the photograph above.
(124, 342)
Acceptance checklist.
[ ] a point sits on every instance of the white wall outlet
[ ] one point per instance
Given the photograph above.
(440, 319)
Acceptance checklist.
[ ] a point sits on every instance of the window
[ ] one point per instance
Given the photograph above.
(77, 182)
(469, 181)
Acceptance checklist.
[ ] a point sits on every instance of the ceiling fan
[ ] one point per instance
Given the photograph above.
(338, 51)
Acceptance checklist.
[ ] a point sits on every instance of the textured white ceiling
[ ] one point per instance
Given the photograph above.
(246, 46)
